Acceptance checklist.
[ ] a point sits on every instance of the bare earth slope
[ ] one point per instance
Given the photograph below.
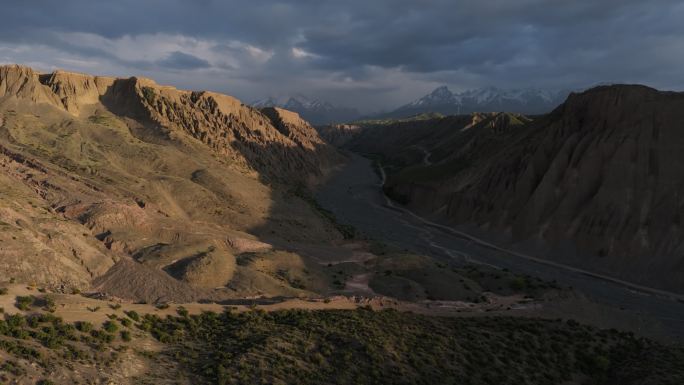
(100, 171)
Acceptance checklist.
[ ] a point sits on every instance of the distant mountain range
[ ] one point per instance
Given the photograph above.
(442, 100)
(489, 99)
(314, 111)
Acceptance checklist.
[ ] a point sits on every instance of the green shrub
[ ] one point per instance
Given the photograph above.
(12, 368)
(518, 283)
(49, 304)
(110, 327)
(132, 314)
(24, 302)
(183, 312)
(84, 326)
(125, 335)
(16, 321)
(102, 336)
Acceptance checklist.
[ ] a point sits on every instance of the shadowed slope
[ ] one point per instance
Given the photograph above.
(596, 183)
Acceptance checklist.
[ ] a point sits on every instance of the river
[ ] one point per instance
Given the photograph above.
(356, 198)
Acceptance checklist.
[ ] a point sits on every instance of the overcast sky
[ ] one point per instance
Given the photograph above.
(369, 54)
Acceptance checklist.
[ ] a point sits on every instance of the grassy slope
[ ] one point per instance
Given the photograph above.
(389, 347)
(333, 346)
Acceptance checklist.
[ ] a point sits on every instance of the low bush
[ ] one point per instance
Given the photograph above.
(387, 347)
(132, 314)
(125, 335)
(24, 302)
(110, 327)
(84, 326)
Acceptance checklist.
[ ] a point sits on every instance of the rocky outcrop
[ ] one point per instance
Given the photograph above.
(277, 143)
(76, 90)
(65, 90)
(339, 134)
(23, 82)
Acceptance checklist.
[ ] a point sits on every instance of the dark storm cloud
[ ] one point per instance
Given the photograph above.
(180, 60)
(374, 53)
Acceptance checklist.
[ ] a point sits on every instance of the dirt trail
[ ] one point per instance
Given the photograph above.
(73, 307)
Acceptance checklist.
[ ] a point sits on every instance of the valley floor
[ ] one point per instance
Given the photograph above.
(355, 197)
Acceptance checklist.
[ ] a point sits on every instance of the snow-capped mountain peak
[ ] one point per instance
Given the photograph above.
(304, 102)
(440, 95)
(487, 99)
(266, 102)
(314, 110)
(441, 92)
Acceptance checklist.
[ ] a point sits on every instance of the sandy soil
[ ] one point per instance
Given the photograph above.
(74, 308)
(81, 308)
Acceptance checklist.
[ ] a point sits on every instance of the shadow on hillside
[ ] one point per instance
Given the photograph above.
(292, 173)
